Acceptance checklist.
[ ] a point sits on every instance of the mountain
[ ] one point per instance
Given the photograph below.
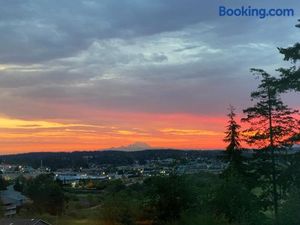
(136, 146)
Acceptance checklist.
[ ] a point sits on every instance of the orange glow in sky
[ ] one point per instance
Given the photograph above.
(105, 79)
(158, 130)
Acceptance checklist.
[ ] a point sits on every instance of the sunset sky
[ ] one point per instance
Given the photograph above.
(85, 75)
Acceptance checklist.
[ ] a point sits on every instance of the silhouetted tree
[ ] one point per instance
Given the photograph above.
(271, 124)
(233, 149)
(232, 135)
(290, 77)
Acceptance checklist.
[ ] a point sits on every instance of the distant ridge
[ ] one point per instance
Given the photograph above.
(81, 159)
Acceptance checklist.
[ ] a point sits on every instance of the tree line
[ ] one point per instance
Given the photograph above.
(272, 128)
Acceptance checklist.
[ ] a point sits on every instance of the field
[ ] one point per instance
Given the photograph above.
(82, 209)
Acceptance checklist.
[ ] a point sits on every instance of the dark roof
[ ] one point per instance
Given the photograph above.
(23, 222)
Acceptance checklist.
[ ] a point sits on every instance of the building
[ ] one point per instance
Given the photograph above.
(9, 206)
(72, 178)
(12, 199)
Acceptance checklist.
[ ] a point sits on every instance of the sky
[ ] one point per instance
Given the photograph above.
(87, 75)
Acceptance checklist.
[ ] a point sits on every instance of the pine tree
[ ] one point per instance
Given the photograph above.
(233, 149)
(290, 77)
(272, 125)
(232, 135)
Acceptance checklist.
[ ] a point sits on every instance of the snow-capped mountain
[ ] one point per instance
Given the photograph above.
(136, 146)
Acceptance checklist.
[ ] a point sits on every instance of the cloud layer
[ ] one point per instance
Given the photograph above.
(90, 62)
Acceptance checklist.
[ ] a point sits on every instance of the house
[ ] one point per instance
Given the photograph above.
(9, 206)
(23, 222)
(12, 199)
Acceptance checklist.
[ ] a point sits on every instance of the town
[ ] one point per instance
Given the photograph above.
(93, 175)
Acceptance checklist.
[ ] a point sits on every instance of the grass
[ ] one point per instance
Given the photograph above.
(82, 209)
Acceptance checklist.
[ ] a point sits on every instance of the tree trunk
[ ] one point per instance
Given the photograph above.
(272, 148)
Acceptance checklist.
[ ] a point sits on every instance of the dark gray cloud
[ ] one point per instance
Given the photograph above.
(158, 56)
(33, 31)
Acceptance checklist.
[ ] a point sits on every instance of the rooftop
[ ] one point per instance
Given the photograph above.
(23, 222)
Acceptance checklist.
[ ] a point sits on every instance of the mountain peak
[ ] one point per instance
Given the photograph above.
(136, 146)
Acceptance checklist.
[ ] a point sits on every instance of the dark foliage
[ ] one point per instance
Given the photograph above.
(3, 183)
(46, 193)
(272, 127)
(81, 159)
(290, 77)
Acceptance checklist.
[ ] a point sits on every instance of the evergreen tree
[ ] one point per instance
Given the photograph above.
(233, 149)
(232, 135)
(272, 125)
(290, 77)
